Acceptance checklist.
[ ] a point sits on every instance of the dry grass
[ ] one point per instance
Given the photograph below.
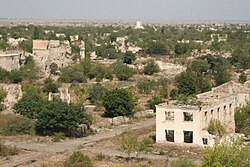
(8, 150)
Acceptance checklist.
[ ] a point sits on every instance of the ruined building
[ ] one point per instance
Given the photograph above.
(189, 124)
(47, 52)
(63, 94)
(10, 60)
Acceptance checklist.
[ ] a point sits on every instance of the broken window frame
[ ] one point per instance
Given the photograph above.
(169, 134)
(205, 141)
(188, 136)
(169, 115)
(188, 116)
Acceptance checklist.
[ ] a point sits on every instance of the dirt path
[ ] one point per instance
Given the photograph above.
(73, 144)
(44, 149)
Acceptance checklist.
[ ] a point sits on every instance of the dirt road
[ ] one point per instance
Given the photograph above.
(72, 144)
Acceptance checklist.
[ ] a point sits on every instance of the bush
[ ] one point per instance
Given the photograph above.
(122, 71)
(129, 57)
(17, 125)
(78, 159)
(227, 154)
(50, 86)
(184, 162)
(8, 150)
(96, 93)
(151, 67)
(146, 85)
(118, 102)
(216, 128)
(155, 100)
(58, 137)
(242, 119)
(242, 78)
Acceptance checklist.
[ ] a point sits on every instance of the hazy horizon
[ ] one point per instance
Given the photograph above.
(153, 10)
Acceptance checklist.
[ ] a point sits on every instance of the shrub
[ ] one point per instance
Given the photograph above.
(3, 94)
(146, 85)
(184, 162)
(227, 154)
(78, 159)
(50, 86)
(17, 125)
(151, 67)
(122, 71)
(129, 57)
(242, 78)
(155, 100)
(100, 156)
(96, 93)
(216, 128)
(118, 102)
(58, 137)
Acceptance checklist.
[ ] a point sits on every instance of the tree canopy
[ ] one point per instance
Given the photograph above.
(118, 102)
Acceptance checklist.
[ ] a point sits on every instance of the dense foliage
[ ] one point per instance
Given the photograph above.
(151, 67)
(78, 159)
(118, 102)
(52, 116)
(227, 154)
(202, 74)
(242, 119)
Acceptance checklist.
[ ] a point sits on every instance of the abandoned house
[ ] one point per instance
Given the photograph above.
(10, 61)
(63, 94)
(188, 124)
(47, 52)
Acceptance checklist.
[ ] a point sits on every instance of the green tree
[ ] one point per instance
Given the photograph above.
(29, 105)
(3, 44)
(29, 71)
(127, 141)
(122, 71)
(216, 128)
(242, 119)
(146, 85)
(227, 154)
(36, 33)
(15, 76)
(181, 48)
(156, 48)
(96, 93)
(151, 67)
(118, 102)
(58, 116)
(78, 159)
(26, 45)
(155, 100)
(53, 68)
(4, 75)
(242, 78)
(129, 57)
(50, 86)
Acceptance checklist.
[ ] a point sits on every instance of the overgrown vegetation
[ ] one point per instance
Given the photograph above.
(118, 102)
(52, 116)
(227, 154)
(242, 119)
(78, 159)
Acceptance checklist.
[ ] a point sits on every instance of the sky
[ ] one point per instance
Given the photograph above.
(126, 9)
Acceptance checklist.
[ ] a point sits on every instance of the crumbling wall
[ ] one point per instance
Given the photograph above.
(14, 93)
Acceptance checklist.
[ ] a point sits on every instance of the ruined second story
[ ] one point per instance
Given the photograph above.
(10, 60)
(189, 123)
